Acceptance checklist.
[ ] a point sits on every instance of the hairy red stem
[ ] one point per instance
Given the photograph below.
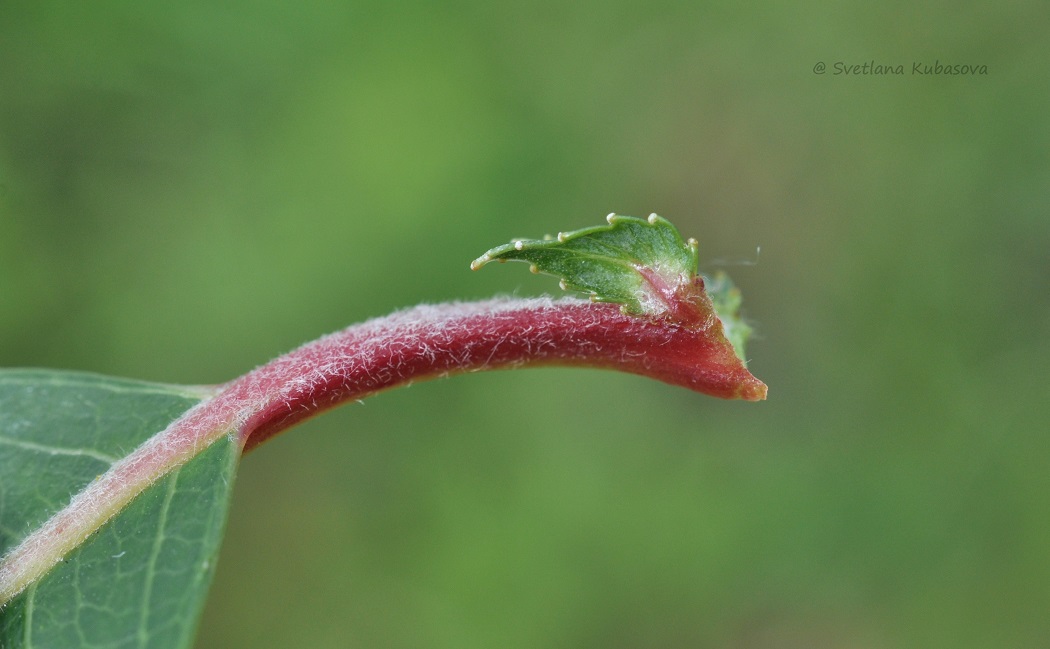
(431, 341)
(411, 345)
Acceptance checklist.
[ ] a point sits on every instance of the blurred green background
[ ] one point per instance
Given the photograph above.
(189, 189)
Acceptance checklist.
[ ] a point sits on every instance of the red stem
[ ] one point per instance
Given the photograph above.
(411, 345)
(431, 341)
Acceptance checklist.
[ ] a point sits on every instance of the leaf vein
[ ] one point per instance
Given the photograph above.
(27, 629)
(52, 450)
(195, 392)
(151, 566)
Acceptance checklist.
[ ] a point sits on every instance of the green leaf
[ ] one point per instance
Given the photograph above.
(642, 264)
(726, 299)
(626, 262)
(141, 579)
